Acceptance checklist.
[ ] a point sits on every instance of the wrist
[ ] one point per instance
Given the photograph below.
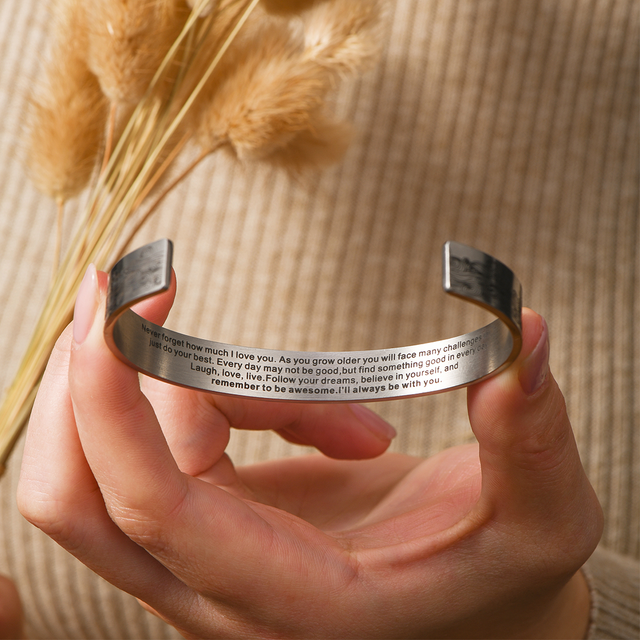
(568, 616)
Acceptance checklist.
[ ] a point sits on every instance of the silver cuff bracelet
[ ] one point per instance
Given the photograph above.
(340, 376)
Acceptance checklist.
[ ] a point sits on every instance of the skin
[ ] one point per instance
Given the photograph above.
(478, 541)
(10, 610)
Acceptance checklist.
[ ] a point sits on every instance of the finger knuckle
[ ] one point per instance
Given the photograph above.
(146, 519)
(47, 513)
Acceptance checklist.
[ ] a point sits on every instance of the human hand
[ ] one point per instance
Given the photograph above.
(472, 542)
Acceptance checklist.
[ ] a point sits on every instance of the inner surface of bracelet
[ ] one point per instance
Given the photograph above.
(303, 376)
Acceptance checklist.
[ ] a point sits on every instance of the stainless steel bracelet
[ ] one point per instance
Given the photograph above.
(338, 376)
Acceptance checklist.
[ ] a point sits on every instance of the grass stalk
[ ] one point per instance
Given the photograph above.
(131, 168)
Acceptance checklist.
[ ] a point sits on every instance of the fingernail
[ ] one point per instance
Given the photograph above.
(535, 368)
(86, 305)
(380, 428)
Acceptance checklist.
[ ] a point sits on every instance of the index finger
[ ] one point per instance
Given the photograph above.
(180, 520)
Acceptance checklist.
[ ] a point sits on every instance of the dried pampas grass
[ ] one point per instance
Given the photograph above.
(266, 102)
(68, 113)
(128, 39)
(205, 10)
(322, 143)
(344, 35)
(269, 94)
(132, 83)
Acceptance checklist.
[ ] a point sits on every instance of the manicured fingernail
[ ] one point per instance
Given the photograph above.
(535, 369)
(374, 423)
(86, 305)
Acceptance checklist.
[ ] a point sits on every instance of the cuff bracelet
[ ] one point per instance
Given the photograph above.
(338, 376)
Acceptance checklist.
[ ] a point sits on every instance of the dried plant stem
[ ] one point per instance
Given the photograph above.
(113, 110)
(57, 250)
(130, 170)
(266, 101)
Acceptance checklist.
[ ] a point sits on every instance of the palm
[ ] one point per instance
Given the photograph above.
(323, 517)
(345, 497)
(338, 497)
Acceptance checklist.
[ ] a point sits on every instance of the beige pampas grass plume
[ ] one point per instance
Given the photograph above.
(67, 112)
(266, 96)
(128, 40)
(253, 76)
(344, 35)
(267, 101)
(323, 143)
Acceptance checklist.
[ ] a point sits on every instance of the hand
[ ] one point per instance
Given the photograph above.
(475, 542)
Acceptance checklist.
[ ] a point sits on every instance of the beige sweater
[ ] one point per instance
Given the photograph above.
(508, 125)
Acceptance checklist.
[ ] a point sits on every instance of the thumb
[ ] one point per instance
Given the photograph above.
(531, 469)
